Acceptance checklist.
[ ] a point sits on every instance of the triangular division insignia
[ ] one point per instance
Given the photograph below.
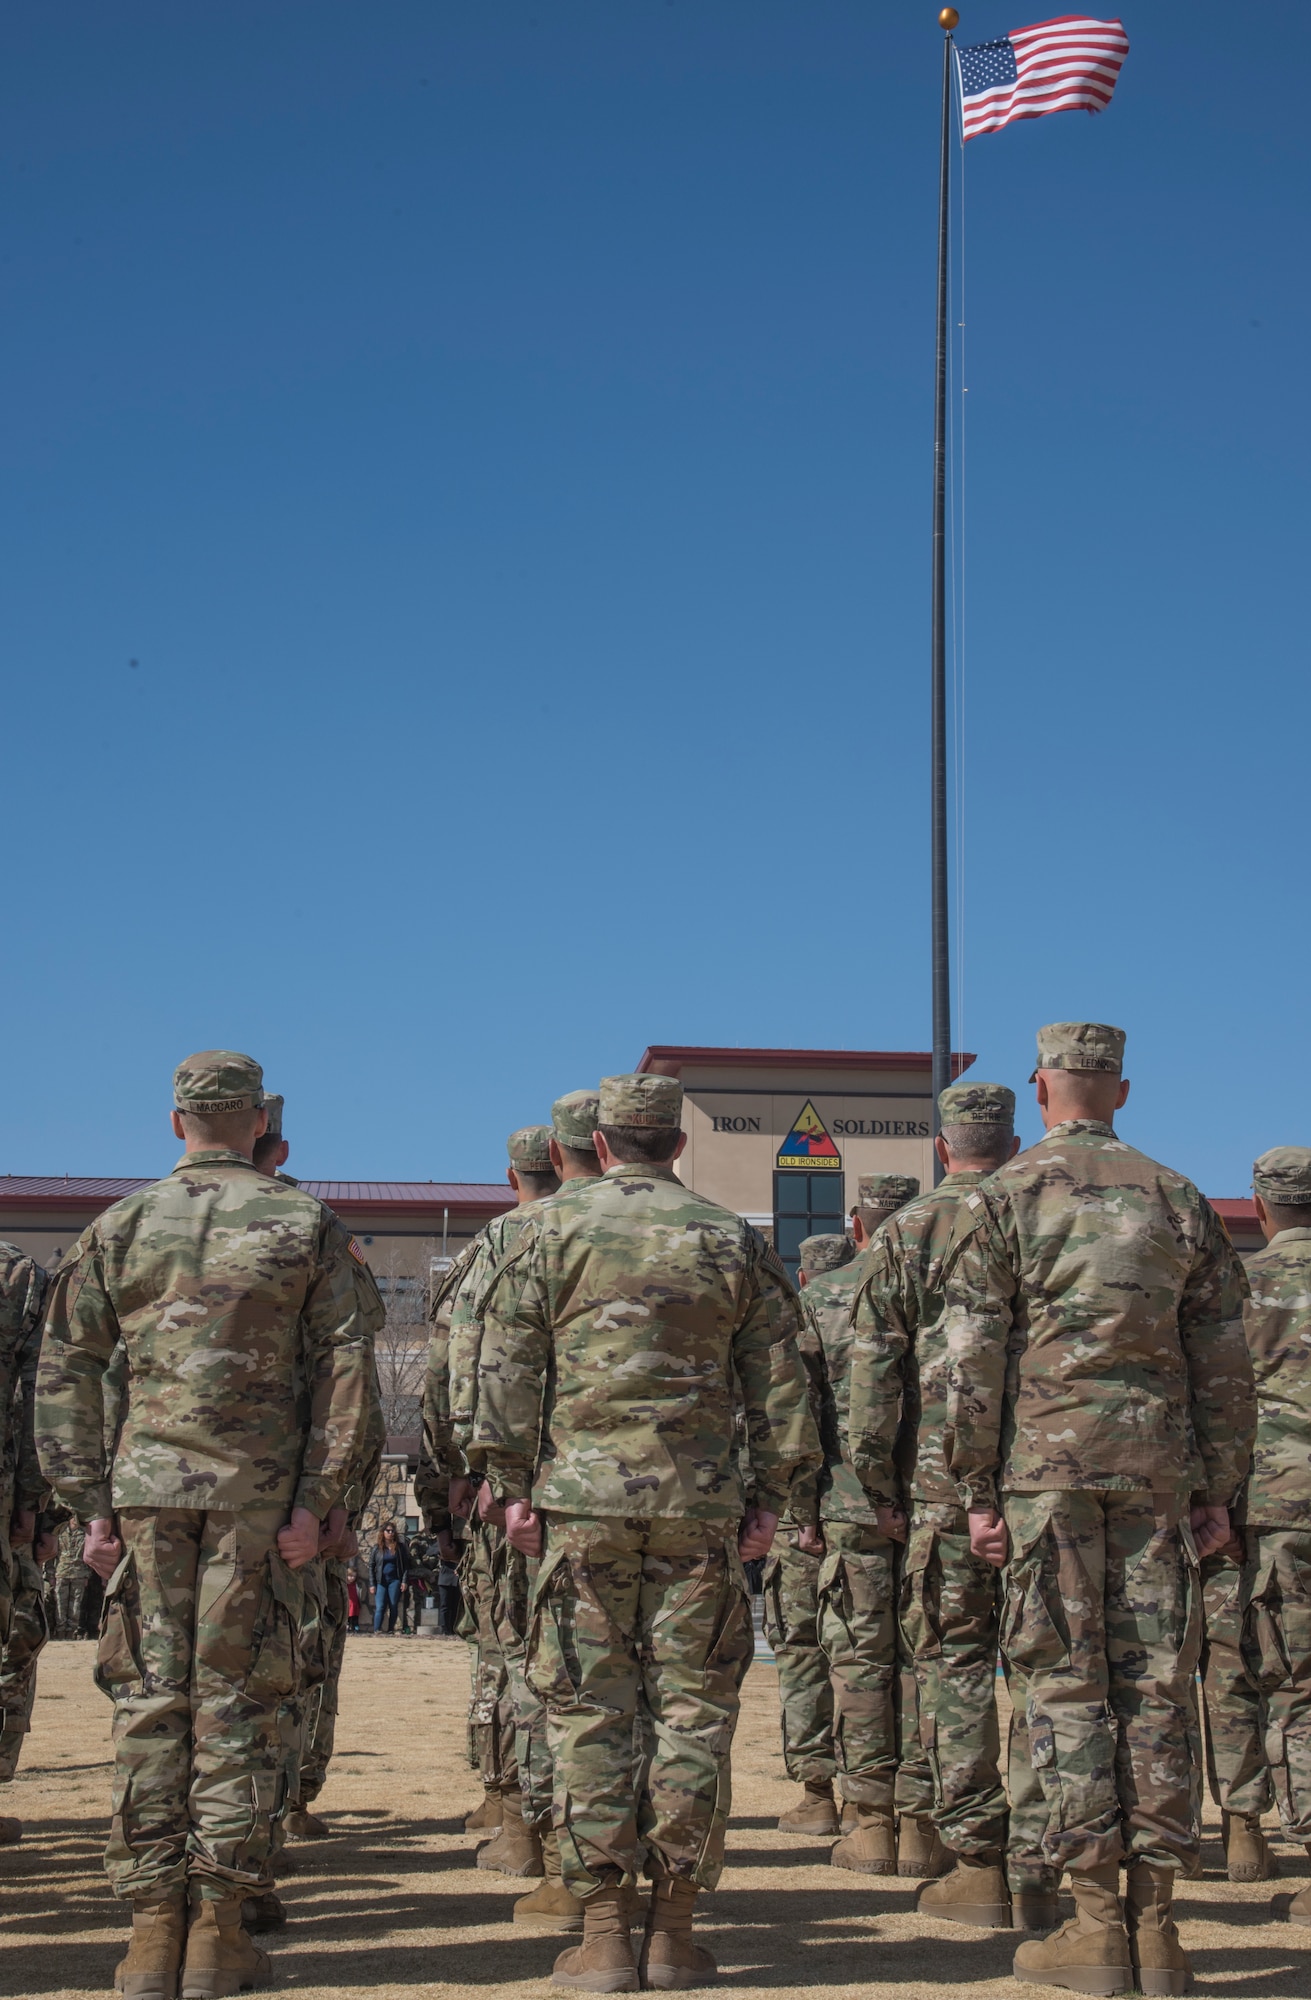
(808, 1143)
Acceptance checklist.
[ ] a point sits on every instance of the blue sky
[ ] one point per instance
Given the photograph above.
(500, 436)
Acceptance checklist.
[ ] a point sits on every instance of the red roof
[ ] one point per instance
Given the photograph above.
(88, 1191)
(667, 1059)
(1243, 1210)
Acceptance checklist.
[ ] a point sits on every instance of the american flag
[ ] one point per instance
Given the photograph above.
(1069, 64)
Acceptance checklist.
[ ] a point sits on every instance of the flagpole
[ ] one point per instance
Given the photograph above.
(947, 20)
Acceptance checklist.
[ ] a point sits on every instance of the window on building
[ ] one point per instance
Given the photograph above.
(806, 1205)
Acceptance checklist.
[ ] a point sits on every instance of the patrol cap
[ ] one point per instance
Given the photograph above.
(1080, 1045)
(977, 1104)
(273, 1105)
(574, 1118)
(530, 1149)
(641, 1100)
(218, 1080)
(825, 1253)
(1283, 1176)
(886, 1191)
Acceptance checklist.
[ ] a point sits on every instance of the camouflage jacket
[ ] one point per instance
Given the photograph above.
(826, 1303)
(899, 1377)
(22, 1294)
(1093, 1326)
(616, 1339)
(1277, 1321)
(228, 1289)
(439, 1461)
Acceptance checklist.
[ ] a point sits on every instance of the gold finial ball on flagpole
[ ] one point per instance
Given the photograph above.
(948, 18)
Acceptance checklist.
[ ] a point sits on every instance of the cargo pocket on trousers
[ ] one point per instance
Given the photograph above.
(120, 1670)
(275, 1644)
(1034, 1634)
(921, 1626)
(551, 1665)
(732, 1642)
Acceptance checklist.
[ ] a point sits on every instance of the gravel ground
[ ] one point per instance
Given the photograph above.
(392, 1904)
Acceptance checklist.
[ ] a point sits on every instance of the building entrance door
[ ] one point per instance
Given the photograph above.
(806, 1205)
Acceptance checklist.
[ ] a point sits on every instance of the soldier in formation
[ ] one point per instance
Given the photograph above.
(25, 1539)
(790, 1588)
(71, 1579)
(1258, 1678)
(647, 1310)
(209, 1508)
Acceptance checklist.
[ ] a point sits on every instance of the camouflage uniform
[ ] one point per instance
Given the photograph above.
(71, 1579)
(495, 1576)
(875, 1725)
(612, 1341)
(949, 1597)
(23, 1623)
(228, 1290)
(790, 1586)
(1097, 1372)
(1275, 1509)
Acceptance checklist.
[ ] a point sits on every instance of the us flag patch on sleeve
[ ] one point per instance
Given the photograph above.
(356, 1252)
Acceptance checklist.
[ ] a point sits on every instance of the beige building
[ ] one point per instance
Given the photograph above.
(783, 1135)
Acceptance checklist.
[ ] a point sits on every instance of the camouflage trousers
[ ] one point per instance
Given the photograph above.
(791, 1594)
(1276, 1594)
(70, 1594)
(320, 1726)
(532, 1752)
(639, 1628)
(949, 1619)
(28, 1632)
(875, 1720)
(491, 1710)
(199, 1649)
(1103, 1618)
(1235, 1739)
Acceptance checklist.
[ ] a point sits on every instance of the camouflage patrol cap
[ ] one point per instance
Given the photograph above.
(886, 1192)
(825, 1253)
(1283, 1176)
(574, 1118)
(273, 1105)
(530, 1149)
(1080, 1045)
(641, 1100)
(977, 1104)
(218, 1080)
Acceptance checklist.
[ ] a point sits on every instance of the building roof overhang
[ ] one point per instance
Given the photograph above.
(671, 1059)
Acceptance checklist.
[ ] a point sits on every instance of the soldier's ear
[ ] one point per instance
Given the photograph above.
(1122, 1093)
(1015, 1146)
(175, 1120)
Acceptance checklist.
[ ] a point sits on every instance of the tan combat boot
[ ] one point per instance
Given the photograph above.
(1247, 1852)
(1159, 1963)
(604, 1961)
(551, 1907)
(816, 1813)
(669, 1957)
(920, 1853)
(975, 1893)
(871, 1846)
(1035, 1906)
(1090, 1954)
(264, 1911)
(850, 1816)
(1297, 1910)
(154, 1957)
(220, 1956)
(301, 1824)
(515, 1848)
(486, 1817)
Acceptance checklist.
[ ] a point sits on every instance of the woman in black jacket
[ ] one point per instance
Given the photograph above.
(388, 1566)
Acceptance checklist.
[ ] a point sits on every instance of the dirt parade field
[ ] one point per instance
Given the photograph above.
(394, 1905)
